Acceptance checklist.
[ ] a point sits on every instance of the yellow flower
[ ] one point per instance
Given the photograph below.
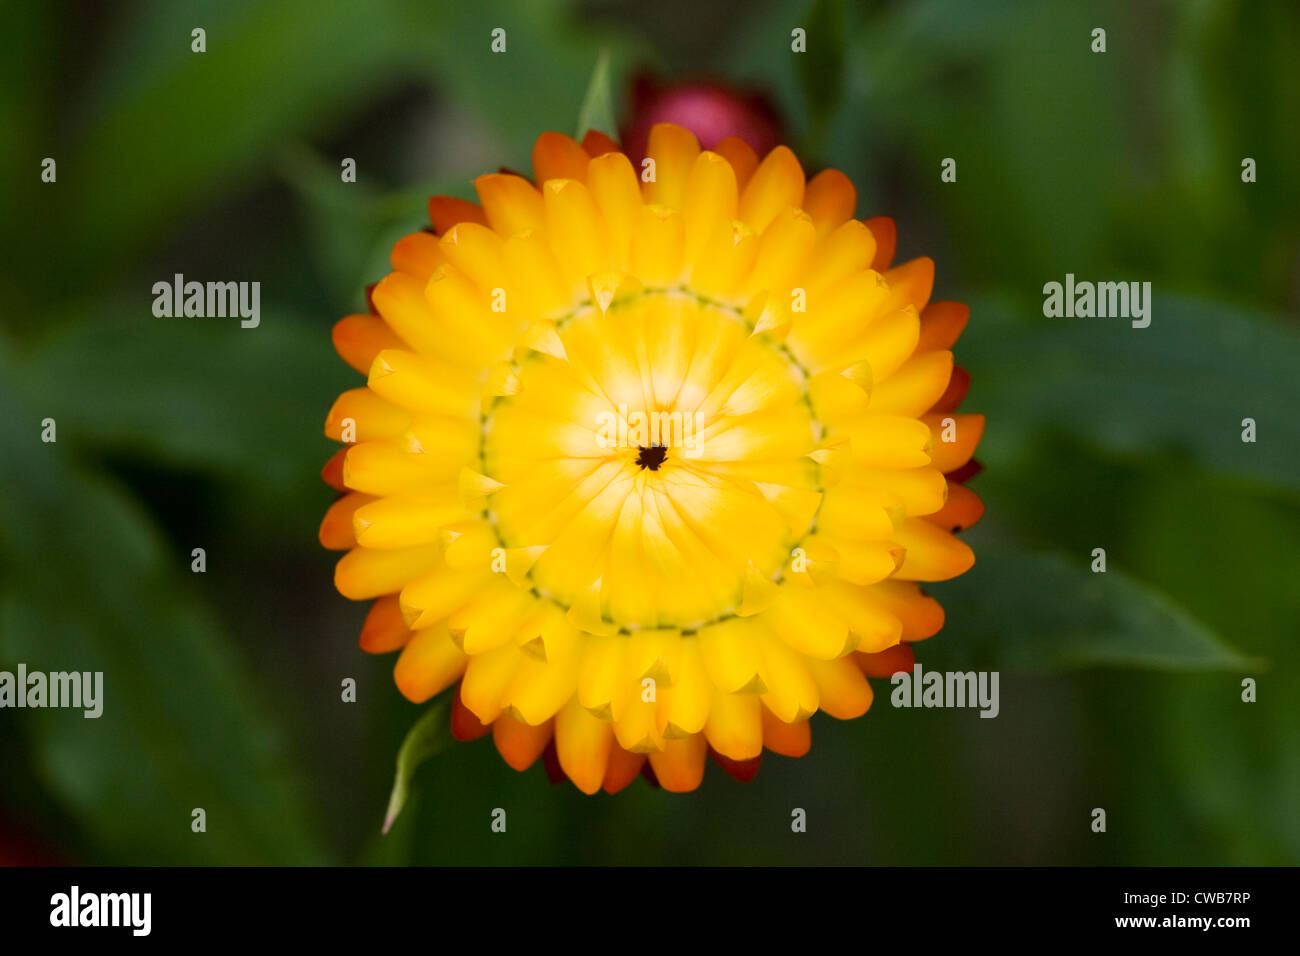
(650, 459)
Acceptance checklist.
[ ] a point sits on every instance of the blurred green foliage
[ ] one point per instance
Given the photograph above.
(1120, 691)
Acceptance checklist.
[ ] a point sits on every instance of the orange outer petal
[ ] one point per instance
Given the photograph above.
(912, 282)
(359, 338)
(332, 473)
(624, 767)
(464, 725)
(518, 743)
(888, 662)
(962, 509)
(679, 768)
(556, 156)
(830, 199)
(742, 157)
(446, 211)
(742, 770)
(417, 254)
(597, 143)
(788, 740)
(336, 527)
(941, 324)
(955, 393)
(922, 615)
(384, 629)
(886, 233)
(966, 432)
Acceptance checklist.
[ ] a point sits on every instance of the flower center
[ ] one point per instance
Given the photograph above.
(652, 457)
(662, 463)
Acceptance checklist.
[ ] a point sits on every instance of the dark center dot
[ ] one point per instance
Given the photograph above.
(652, 457)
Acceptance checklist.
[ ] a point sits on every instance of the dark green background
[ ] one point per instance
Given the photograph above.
(1119, 691)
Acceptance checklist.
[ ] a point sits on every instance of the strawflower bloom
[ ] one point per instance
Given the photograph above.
(651, 459)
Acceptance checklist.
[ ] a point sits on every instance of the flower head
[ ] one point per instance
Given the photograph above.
(651, 459)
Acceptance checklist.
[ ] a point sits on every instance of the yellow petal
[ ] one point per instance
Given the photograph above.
(487, 677)
(424, 385)
(365, 573)
(673, 150)
(400, 300)
(537, 289)
(383, 468)
(510, 203)
(735, 727)
(687, 702)
(847, 250)
(403, 520)
(475, 250)
(791, 692)
(842, 690)
(601, 685)
(873, 625)
(916, 386)
(888, 441)
(776, 185)
(783, 254)
(582, 743)
(428, 665)
(492, 619)
(711, 198)
(541, 687)
(438, 592)
(725, 261)
(574, 230)
(729, 652)
(613, 186)
(801, 619)
(932, 553)
(657, 248)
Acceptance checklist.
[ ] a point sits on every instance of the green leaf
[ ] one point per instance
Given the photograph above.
(351, 227)
(821, 68)
(597, 110)
(1040, 611)
(428, 736)
(533, 85)
(91, 585)
(1183, 385)
(204, 393)
(271, 70)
